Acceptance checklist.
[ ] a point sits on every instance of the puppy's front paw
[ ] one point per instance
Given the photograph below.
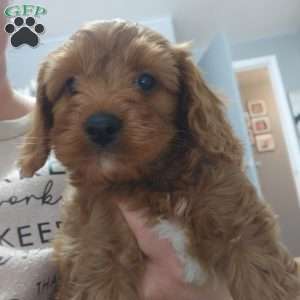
(193, 272)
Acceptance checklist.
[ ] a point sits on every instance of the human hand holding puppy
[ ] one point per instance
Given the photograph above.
(163, 276)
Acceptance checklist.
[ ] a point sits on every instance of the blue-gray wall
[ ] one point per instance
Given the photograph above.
(216, 66)
(285, 47)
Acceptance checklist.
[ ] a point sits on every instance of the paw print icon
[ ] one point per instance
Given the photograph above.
(24, 32)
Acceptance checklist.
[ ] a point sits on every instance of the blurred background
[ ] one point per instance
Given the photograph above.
(248, 51)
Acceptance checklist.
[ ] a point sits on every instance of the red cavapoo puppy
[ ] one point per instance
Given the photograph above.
(130, 117)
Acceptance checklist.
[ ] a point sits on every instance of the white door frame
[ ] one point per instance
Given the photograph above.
(285, 115)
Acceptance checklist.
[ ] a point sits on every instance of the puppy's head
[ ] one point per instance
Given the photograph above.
(116, 98)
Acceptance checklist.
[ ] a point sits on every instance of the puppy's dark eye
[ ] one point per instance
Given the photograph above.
(146, 82)
(71, 86)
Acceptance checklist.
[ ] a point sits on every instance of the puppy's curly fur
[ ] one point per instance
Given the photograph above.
(176, 158)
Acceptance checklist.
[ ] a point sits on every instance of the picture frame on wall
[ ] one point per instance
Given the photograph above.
(257, 108)
(261, 125)
(265, 142)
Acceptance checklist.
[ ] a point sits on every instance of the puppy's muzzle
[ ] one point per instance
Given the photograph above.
(102, 129)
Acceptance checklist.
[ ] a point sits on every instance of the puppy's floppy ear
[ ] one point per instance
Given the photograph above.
(36, 147)
(209, 129)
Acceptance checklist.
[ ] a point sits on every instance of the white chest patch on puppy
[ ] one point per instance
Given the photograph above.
(193, 272)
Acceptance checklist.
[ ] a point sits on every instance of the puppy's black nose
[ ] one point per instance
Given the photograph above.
(102, 128)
